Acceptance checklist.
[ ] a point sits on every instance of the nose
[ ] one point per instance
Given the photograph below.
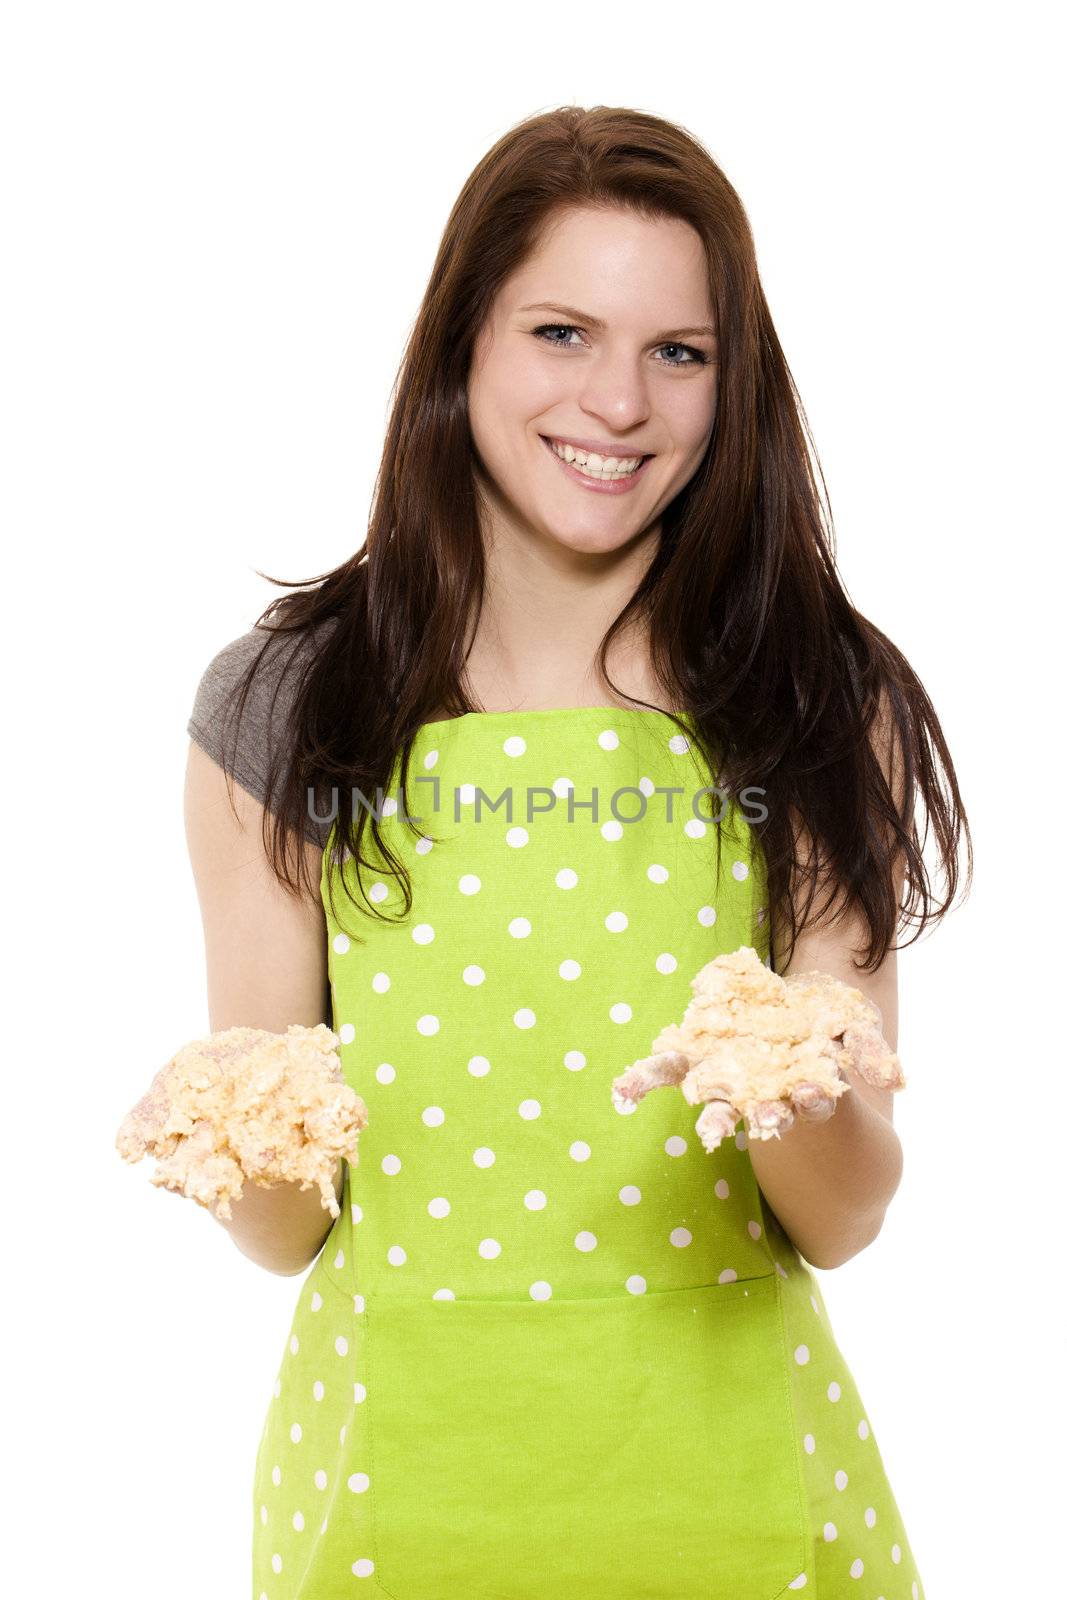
(615, 391)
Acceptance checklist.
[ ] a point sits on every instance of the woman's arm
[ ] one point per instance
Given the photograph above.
(266, 968)
(830, 1183)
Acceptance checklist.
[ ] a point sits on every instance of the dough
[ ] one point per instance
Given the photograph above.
(247, 1103)
(750, 1039)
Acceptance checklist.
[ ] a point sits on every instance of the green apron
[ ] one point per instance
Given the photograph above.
(553, 1349)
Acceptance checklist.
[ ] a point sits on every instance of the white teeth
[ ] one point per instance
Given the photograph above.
(594, 466)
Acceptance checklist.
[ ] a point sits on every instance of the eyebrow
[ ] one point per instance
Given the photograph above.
(595, 322)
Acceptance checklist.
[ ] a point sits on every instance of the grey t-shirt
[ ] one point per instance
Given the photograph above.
(249, 746)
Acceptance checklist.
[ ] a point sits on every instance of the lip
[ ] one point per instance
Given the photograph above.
(614, 486)
(619, 451)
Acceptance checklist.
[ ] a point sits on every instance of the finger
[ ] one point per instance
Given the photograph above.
(811, 1102)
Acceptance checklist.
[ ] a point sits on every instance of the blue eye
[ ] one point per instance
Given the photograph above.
(699, 359)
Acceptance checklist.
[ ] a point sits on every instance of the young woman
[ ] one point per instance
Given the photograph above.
(591, 708)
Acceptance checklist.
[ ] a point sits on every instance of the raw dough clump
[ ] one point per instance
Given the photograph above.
(750, 1040)
(247, 1103)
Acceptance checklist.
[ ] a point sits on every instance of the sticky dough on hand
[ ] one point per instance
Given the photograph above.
(749, 1038)
(247, 1103)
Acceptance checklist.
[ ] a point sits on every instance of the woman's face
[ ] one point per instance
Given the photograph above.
(605, 335)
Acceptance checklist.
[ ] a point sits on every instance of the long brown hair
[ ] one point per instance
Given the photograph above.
(750, 628)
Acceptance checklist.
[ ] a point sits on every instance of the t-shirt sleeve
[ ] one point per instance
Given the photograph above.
(246, 748)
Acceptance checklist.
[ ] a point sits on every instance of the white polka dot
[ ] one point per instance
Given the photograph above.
(483, 1157)
(809, 1443)
(389, 806)
(396, 1255)
(741, 1139)
(620, 1012)
(517, 837)
(295, 1432)
(346, 1032)
(359, 1393)
(318, 1391)
(646, 786)
(579, 1151)
(321, 1479)
(524, 1018)
(341, 943)
(800, 1581)
(722, 1189)
(561, 787)
(428, 1024)
(294, 1344)
(515, 745)
(706, 916)
(608, 740)
(489, 1249)
(728, 1276)
(423, 933)
(439, 1207)
(856, 1569)
(540, 1290)
(378, 892)
(444, 1294)
(535, 1200)
(340, 1344)
(616, 921)
(740, 871)
(529, 1109)
(630, 1194)
(391, 1165)
(339, 1260)
(298, 1521)
(680, 1237)
(895, 1553)
(519, 927)
(466, 794)
(381, 983)
(276, 1476)
(574, 1061)
(423, 846)
(276, 1562)
(635, 1284)
(359, 1483)
(363, 1567)
(829, 1532)
(316, 1301)
(470, 883)
(433, 1116)
(569, 970)
(754, 1229)
(385, 1073)
(870, 1516)
(695, 828)
(863, 1428)
(658, 874)
(666, 963)
(566, 878)
(478, 1066)
(840, 1479)
(612, 831)
(801, 1355)
(834, 1391)
(585, 1241)
(263, 1515)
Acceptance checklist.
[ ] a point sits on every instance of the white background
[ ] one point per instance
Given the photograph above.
(218, 222)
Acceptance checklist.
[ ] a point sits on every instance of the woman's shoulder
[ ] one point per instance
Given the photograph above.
(242, 737)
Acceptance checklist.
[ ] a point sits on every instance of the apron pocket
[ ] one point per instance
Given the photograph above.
(636, 1446)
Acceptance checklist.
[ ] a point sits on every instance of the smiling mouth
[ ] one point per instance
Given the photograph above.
(593, 464)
